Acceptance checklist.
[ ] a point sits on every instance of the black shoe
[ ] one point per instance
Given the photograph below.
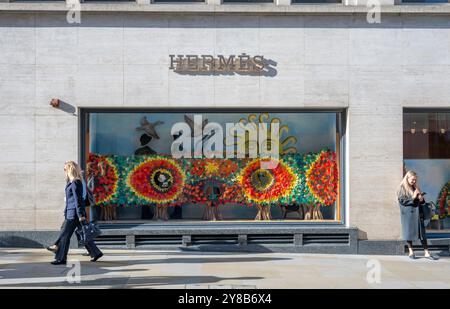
(97, 257)
(58, 262)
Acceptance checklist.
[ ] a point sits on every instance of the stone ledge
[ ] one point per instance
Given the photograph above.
(295, 9)
(223, 229)
(397, 247)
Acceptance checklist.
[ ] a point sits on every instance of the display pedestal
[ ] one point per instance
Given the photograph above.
(313, 212)
(263, 213)
(108, 213)
(161, 213)
(212, 213)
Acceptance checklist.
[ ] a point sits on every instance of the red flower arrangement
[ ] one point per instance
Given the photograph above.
(193, 193)
(107, 178)
(322, 178)
(208, 168)
(157, 180)
(266, 185)
(233, 194)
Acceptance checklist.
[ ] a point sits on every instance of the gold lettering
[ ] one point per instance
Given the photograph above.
(192, 62)
(207, 63)
(259, 63)
(226, 65)
(244, 62)
(178, 62)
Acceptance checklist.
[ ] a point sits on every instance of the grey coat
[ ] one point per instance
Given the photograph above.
(412, 227)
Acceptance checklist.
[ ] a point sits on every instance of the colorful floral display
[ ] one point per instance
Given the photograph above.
(266, 186)
(107, 176)
(322, 177)
(194, 193)
(157, 180)
(233, 194)
(163, 181)
(201, 169)
(297, 194)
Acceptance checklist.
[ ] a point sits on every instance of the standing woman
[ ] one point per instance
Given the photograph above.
(411, 201)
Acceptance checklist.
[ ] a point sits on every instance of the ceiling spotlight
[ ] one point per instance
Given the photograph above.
(54, 102)
(442, 131)
(424, 131)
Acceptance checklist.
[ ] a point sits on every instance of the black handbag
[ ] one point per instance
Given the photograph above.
(429, 210)
(88, 232)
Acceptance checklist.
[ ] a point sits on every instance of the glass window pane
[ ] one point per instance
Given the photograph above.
(426, 135)
(426, 150)
(135, 156)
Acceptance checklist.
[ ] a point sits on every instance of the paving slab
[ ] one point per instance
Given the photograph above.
(31, 268)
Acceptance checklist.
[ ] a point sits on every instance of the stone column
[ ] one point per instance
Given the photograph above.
(214, 2)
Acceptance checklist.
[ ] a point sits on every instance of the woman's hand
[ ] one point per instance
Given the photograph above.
(82, 219)
(416, 193)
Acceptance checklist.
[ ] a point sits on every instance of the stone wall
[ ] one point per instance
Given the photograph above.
(121, 60)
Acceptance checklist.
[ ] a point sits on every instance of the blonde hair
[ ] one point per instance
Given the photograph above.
(73, 171)
(405, 188)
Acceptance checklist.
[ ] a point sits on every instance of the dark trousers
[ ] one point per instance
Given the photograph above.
(63, 242)
(56, 243)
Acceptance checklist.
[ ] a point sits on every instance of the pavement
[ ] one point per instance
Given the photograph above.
(31, 268)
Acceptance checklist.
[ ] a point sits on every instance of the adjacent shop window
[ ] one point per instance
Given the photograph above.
(213, 165)
(426, 135)
(426, 150)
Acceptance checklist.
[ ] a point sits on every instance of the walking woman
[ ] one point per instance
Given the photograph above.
(74, 215)
(411, 201)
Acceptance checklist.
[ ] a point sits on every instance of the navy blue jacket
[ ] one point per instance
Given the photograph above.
(75, 207)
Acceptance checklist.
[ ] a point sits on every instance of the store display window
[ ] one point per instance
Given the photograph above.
(214, 165)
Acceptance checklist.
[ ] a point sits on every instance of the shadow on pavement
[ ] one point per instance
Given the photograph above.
(42, 274)
(132, 282)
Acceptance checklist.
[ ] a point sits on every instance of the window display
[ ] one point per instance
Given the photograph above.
(426, 150)
(215, 166)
